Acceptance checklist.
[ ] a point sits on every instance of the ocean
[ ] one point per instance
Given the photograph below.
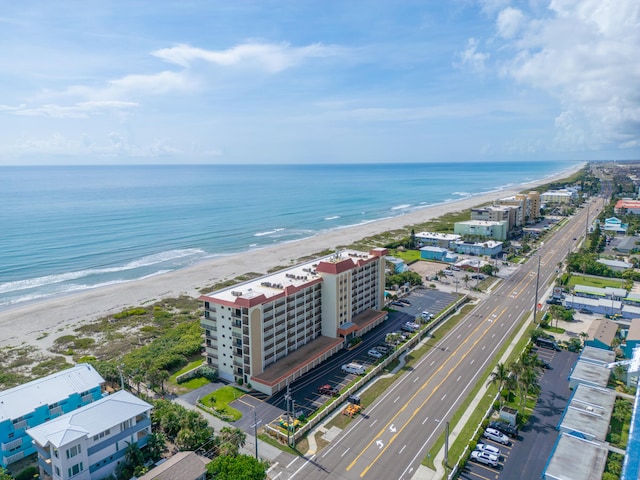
(66, 229)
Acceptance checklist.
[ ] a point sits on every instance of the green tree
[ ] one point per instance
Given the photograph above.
(4, 475)
(156, 445)
(232, 439)
(499, 377)
(235, 467)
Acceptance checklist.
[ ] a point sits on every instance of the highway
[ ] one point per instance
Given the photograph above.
(398, 430)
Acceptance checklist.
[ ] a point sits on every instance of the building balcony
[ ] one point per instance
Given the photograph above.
(22, 424)
(11, 445)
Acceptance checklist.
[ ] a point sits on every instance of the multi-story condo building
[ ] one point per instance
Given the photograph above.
(271, 330)
(89, 443)
(497, 213)
(564, 195)
(39, 401)
(527, 205)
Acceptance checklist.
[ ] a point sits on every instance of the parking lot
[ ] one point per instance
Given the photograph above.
(526, 455)
(304, 391)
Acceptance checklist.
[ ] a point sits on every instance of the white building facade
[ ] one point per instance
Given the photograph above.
(89, 443)
(252, 326)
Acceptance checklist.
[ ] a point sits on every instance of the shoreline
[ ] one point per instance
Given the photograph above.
(25, 324)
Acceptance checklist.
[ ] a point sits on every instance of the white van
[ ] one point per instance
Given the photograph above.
(355, 368)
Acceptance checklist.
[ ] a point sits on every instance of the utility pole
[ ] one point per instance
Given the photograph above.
(586, 225)
(293, 436)
(535, 302)
(255, 429)
(287, 398)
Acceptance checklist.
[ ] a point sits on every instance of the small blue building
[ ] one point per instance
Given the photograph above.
(39, 401)
(438, 253)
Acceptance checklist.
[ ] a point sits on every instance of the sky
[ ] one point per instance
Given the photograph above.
(318, 81)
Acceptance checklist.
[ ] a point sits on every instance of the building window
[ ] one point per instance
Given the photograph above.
(73, 451)
(55, 452)
(57, 472)
(75, 470)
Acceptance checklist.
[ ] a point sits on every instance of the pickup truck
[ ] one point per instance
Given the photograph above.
(328, 390)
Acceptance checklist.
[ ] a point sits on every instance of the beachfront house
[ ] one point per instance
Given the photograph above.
(39, 401)
(271, 330)
(90, 442)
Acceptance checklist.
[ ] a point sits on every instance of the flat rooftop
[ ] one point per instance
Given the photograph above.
(589, 412)
(298, 276)
(597, 355)
(576, 459)
(590, 373)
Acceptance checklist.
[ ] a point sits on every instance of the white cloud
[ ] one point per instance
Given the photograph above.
(77, 110)
(585, 53)
(509, 22)
(271, 57)
(471, 57)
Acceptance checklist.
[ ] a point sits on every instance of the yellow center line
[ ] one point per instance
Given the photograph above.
(383, 429)
(415, 412)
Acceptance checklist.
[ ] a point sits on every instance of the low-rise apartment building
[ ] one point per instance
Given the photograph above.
(273, 329)
(482, 228)
(42, 400)
(89, 443)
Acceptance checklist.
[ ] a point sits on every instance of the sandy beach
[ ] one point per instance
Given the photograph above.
(25, 324)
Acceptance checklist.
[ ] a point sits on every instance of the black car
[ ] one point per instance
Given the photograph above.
(405, 301)
(505, 428)
(398, 304)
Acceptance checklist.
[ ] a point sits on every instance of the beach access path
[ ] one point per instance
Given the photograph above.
(29, 323)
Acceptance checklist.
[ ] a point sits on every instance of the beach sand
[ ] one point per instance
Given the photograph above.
(43, 321)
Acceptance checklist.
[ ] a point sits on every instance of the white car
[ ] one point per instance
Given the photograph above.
(496, 436)
(484, 457)
(374, 353)
(485, 447)
(426, 315)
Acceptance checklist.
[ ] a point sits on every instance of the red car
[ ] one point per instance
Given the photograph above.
(328, 390)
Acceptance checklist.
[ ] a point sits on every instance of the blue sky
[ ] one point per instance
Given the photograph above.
(310, 81)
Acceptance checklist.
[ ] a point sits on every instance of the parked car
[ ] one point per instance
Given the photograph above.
(547, 343)
(354, 368)
(448, 272)
(374, 353)
(505, 428)
(382, 349)
(407, 328)
(496, 436)
(478, 276)
(426, 315)
(405, 301)
(398, 304)
(585, 311)
(485, 447)
(485, 458)
(328, 390)
(554, 301)
(355, 399)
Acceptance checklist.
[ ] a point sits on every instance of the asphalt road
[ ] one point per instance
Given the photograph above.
(402, 425)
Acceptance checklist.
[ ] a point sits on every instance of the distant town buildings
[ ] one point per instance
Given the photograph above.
(269, 331)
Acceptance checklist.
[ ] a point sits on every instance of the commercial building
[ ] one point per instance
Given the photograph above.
(271, 330)
(89, 443)
(42, 400)
(627, 206)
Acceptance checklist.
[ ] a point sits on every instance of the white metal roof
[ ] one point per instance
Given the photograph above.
(89, 420)
(20, 400)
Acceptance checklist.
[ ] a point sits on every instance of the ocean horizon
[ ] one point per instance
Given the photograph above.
(72, 228)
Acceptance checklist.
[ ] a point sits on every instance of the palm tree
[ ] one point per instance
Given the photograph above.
(466, 280)
(499, 376)
(232, 439)
(528, 385)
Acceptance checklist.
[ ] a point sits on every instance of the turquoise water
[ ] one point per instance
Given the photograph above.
(66, 229)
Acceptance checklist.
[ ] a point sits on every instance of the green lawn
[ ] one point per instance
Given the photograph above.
(408, 255)
(599, 282)
(219, 400)
(190, 366)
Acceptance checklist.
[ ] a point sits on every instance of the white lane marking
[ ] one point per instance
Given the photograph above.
(345, 452)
